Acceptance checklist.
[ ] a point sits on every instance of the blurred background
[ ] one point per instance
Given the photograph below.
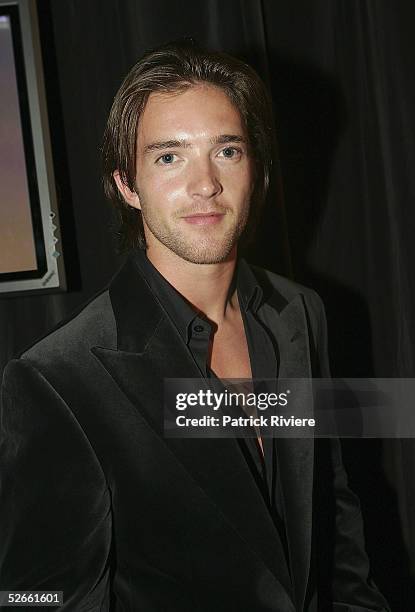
(340, 215)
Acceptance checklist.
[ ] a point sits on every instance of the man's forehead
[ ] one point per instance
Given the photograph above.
(200, 110)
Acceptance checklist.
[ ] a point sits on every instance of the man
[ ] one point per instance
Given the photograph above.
(96, 501)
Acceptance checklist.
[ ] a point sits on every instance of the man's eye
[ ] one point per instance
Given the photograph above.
(231, 152)
(166, 159)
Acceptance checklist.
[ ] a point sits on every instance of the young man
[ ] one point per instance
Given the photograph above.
(96, 501)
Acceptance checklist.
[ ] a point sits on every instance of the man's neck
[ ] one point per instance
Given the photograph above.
(205, 286)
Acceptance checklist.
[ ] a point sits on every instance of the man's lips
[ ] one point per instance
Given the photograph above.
(204, 218)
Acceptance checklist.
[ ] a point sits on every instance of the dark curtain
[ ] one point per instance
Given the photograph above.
(340, 212)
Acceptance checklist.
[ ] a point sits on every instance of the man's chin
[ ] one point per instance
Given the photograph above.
(201, 256)
(199, 249)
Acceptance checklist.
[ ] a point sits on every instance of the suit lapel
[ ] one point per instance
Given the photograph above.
(149, 349)
(287, 321)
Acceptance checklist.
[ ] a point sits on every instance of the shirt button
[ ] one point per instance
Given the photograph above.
(199, 328)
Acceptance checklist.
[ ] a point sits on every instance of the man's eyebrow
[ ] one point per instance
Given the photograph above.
(176, 144)
(226, 138)
(166, 144)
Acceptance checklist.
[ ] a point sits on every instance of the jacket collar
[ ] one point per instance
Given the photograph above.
(137, 313)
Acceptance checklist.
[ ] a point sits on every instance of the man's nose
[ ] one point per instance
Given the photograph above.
(204, 180)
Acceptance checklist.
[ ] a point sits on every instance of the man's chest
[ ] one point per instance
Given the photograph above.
(229, 355)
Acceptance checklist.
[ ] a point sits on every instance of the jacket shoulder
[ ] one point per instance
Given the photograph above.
(92, 324)
(287, 288)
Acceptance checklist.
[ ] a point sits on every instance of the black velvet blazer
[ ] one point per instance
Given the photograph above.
(97, 503)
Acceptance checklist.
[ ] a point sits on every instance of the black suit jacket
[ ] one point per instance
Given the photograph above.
(97, 503)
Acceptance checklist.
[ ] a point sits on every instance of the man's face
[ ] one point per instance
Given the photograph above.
(194, 174)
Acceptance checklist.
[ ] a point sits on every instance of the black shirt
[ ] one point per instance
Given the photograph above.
(196, 330)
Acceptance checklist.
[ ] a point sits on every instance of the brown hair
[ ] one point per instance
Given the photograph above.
(175, 67)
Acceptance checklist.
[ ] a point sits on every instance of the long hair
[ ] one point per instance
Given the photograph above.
(175, 67)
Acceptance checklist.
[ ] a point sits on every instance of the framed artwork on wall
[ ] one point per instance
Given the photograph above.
(31, 257)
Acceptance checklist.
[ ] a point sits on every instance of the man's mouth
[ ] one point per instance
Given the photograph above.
(208, 218)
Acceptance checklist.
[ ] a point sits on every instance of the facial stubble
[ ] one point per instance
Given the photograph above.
(199, 245)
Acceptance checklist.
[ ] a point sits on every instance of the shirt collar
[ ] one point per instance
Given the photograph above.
(174, 304)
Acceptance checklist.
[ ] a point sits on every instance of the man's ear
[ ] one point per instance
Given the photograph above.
(131, 197)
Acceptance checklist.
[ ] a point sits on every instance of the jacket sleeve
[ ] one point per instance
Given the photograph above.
(55, 521)
(346, 581)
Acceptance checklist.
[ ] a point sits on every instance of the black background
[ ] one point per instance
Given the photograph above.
(340, 214)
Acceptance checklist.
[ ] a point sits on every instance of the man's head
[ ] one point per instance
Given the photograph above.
(189, 134)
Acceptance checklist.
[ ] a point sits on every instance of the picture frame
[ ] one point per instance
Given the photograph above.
(31, 255)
